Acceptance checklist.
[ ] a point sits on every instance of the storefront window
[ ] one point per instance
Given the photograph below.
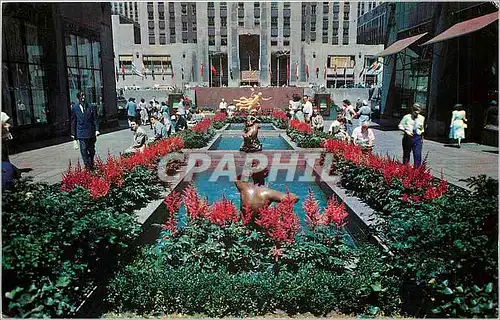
(24, 94)
(84, 67)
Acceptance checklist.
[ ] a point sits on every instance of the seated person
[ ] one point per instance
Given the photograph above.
(337, 129)
(363, 136)
(180, 122)
(140, 137)
(159, 129)
(299, 115)
(317, 122)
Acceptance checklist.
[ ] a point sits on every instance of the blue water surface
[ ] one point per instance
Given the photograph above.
(240, 126)
(234, 143)
(214, 188)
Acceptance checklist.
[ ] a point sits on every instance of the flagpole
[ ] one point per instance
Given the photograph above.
(364, 75)
(220, 70)
(278, 75)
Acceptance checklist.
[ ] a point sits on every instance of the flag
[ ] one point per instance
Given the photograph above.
(287, 70)
(202, 70)
(136, 71)
(123, 71)
(182, 73)
(192, 72)
(153, 72)
(324, 72)
(162, 71)
(172, 75)
(317, 72)
(307, 72)
(270, 72)
(231, 74)
(296, 71)
(214, 71)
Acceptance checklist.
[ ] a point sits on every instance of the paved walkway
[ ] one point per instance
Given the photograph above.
(472, 159)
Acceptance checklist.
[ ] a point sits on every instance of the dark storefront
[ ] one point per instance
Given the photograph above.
(50, 51)
(440, 74)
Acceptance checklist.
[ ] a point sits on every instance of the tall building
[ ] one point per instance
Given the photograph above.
(238, 43)
(372, 22)
(50, 52)
(440, 54)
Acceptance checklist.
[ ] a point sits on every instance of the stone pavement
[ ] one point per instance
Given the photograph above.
(472, 159)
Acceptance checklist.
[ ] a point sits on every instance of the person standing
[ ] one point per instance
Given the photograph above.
(180, 122)
(165, 113)
(143, 107)
(412, 125)
(131, 111)
(6, 136)
(348, 113)
(223, 106)
(23, 113)
(308, 108)
(364, 113)
(458, 124)
(85, 129)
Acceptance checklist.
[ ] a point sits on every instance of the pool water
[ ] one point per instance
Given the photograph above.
(240, 126)
(225, 186)
(234, 143)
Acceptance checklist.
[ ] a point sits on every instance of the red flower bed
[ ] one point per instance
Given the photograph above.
(279, 221)
(279, 114)
(300, 126)
(221, 116)
(334, 214)
(416, 181)
(110, 173)
(203, 125)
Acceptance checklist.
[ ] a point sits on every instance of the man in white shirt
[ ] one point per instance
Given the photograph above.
(348, 114)
(363, 136)
(413, 126)
(308, 108)
(223, 106)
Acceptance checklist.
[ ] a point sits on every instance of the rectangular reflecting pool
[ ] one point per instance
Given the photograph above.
(234, 143)
(213, 187)
(240, 126)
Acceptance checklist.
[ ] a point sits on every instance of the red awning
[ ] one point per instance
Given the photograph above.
(465, 27)
(400, 45)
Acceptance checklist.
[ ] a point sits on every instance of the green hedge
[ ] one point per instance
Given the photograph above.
(307, 140)
(445, 250)
(56, 245)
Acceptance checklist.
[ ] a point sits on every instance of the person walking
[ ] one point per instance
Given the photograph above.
(143, 107)
(165, 113)
(85, 129)
(412, 125)
(307, 109)
(458, 124)
(131, 110)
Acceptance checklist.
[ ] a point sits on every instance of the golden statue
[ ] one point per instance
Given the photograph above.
(253, 102)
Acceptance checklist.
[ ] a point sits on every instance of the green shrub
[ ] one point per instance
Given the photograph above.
(195, 140)
(56, 245)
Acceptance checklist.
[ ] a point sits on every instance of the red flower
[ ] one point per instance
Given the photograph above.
(300, 126)
(221, 116)
(280, 222)
(279, 114)
(222, 211)
(195, 207)
(311, 209)
(99, 187)
(246, 214)
(335, 213)
(203, 125)
(173, 202)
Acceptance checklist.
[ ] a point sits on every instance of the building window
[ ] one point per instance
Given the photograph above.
(151, 39)
(151, 25)
(211, 21)
(172, 39)
(286, 5)
(150, 16)
(335, 32)
(345, 41)
(241, 5)
(313, 36)
(346, 32)
(286, 43)
(335, 40)
(313, 9)
(184, 9)
(256, 5)
(286, 21)
(241, 24)
(184, 26)
(195, 40)
(223, 5)
(193, 24)
(210, 5)
(274, 22)
(172, 31)
(313, 25)
(223, 40)
(223, 21)
(193, 8)
(256, 22)
(161, 25)
(325, 39)
(274, 42)
(325, 23)
(184, 40)
(346, 16)
(335, 16)
(211, 40)
(274, 5)
(303, 9)
(163, 39)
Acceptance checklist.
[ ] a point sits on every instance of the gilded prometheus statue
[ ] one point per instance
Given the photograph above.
(251, 103)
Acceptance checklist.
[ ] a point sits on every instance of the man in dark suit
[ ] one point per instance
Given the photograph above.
(85, 129)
